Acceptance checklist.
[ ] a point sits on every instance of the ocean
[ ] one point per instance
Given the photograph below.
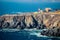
(12, 7)
(27, 34)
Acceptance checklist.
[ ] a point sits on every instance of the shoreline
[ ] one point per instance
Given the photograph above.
(37, 20)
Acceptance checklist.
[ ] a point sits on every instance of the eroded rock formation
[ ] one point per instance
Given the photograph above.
(51, 32)
(39, 21)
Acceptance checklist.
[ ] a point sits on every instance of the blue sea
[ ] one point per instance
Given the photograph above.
(12, 7)
(26, 34)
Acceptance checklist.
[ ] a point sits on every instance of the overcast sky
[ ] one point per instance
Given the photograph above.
(31, 1)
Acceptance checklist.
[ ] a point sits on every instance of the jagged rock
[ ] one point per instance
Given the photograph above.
(43, 32)
(22, 25)
(35, 23)
(41, 26)
(15, 25)
(19, 22)
(51, 32)
(2, 19)
(58, 32)
(5, 25)
(15, 18)
(30, 26)
(1, 22)
(11, 24)
(0, 25)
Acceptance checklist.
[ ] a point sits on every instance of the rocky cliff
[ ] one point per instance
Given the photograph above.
(39, 21)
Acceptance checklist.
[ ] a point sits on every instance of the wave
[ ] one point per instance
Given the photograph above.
(36, 32)
(33, 32)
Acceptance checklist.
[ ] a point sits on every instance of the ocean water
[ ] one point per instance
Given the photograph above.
(12, 7)
(29, 34)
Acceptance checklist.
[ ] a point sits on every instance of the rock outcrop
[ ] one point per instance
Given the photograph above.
(51, 32)
(39, 21)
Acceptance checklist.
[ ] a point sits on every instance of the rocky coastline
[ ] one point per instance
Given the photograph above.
(54, 32)
(20, 22)
(46, 20)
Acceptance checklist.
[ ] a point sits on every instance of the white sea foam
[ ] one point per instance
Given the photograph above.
(37, 34)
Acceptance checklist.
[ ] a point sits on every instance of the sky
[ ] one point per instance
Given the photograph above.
(31, 1)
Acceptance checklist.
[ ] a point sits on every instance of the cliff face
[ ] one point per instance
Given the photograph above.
(30, 21)
(52, 20)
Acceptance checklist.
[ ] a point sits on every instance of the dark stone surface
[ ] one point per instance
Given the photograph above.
(1, 22)
(35, 23)
(5, 24)
(19, 22)
(51, 32)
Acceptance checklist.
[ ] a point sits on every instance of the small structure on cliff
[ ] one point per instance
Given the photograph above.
(47, 9)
